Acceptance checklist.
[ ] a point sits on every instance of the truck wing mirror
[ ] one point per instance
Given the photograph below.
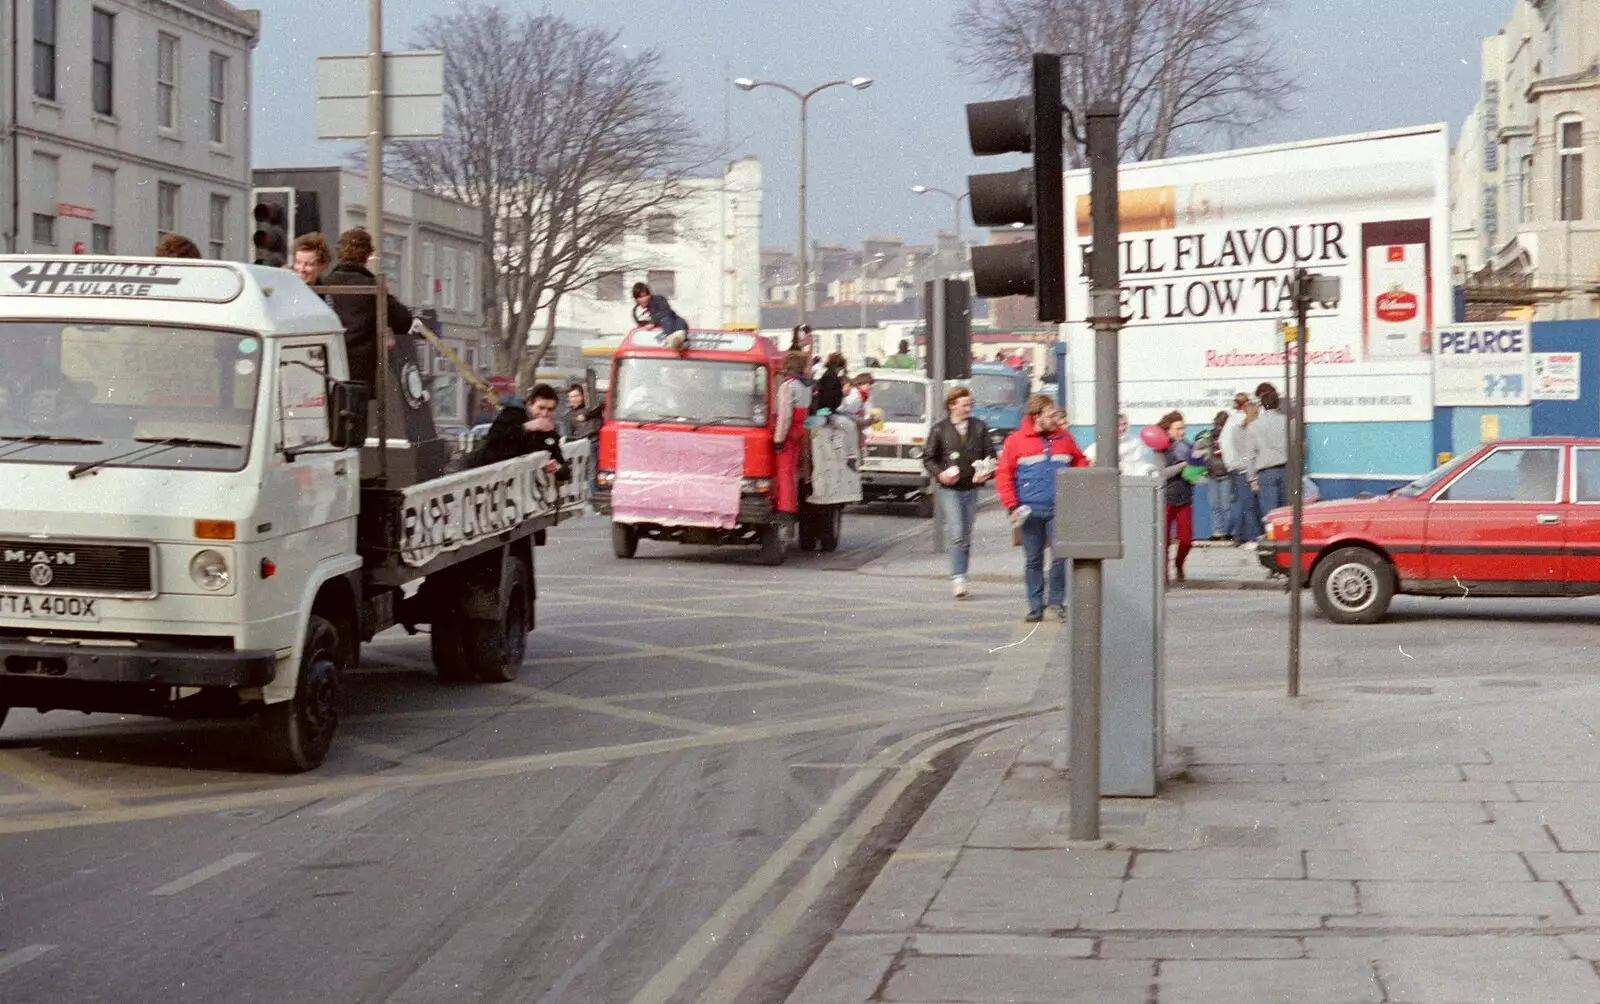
(347, 414)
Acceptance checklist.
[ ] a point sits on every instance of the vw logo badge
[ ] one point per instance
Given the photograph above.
(41, 574)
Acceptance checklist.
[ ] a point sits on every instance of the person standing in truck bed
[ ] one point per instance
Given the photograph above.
(359, 312)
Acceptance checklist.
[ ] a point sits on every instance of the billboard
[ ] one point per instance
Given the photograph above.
(1209, 245)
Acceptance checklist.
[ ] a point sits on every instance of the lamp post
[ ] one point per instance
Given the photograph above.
(860, 84)
(955, 203)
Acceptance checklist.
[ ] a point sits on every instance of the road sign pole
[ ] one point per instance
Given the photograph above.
(1297, 469)
(375, 224)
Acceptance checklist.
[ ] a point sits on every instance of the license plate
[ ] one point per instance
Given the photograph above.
(50, 608)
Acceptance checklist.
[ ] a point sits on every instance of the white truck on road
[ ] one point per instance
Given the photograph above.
(195, 523)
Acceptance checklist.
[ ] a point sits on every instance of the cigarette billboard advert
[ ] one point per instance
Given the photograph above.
(1208, 252)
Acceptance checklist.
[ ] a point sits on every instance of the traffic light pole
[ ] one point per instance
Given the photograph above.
(1297, 470)
(1083, 754)
(375, 224)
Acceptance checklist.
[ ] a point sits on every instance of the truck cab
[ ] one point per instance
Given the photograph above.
(189, 526)
(891, 468)
(999, 393)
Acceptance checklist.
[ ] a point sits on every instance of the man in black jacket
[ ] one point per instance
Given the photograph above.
(958, 457)
(359, 312)
(521, 429)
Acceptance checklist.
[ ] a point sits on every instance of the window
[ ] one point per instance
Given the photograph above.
(101, 61)
(103, 184)
(218, 94)
(394, 263)
(1525, 189)
(1587, 482)
(1526, 474)
(692, 390)
(661, 229)
(46, 196)
(220, 208)
(608, 286)
(166, 81)
(663, 282)
(167, 208)
(429, 272)
(1569, 151)
(44, 49)
(447, 279)
(469, 282)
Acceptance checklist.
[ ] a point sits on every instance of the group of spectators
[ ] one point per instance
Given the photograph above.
(1243, 453)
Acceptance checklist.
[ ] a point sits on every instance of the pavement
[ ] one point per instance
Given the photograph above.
(1431, 838)
(1211, 565)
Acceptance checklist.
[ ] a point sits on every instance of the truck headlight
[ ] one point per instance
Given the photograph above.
(209, 570)
(756, 486)
(914, 452)
(604, 478)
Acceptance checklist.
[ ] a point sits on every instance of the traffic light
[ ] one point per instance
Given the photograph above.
(274, 209)
(1033, 196)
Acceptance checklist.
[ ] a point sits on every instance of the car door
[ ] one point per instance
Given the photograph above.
(1501, 520)
(1583, 522)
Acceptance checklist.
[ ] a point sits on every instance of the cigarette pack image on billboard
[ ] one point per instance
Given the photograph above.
(1208, 251)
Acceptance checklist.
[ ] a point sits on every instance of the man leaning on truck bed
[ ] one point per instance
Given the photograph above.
(359, 313)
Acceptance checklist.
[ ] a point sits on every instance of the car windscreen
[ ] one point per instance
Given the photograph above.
(72, 393)
(1435, 476)
(996, 391)
(690, 391)
(900, 400)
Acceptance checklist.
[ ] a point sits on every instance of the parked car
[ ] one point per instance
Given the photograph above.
(1515, 517)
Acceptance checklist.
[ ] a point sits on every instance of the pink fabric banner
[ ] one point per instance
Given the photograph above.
(677, 478)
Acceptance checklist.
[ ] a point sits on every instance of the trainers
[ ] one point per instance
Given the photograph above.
(1034, 617)
(958, 587)
(1060, 610)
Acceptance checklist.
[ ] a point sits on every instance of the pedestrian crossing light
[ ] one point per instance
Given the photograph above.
(1030, 197)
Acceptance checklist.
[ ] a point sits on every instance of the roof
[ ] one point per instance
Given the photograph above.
(222, 11)
(270, 302)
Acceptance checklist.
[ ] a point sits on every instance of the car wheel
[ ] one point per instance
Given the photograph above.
(1353, 586)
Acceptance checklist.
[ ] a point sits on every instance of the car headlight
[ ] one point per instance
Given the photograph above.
(209, 570)
(915, 453)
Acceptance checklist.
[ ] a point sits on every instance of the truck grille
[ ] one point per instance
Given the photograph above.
(67, 567)
(888, 451)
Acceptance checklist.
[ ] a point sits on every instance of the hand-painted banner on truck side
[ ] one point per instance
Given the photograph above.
(1208, 252)
(448, 513)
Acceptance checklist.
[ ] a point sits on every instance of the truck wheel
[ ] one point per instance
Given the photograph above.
(830, 523)
(807, 526)
(495, 649)
(4, 710)
(925, 504)
(773, 546)
(624, 540)
(300, 730)
(1353, 586)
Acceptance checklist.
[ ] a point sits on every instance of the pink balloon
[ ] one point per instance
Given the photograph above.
(1155, 437)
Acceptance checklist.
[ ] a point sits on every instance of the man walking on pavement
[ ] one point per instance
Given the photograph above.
(959, 457)
(1267, 444)
(1026, 481)
(359, 312)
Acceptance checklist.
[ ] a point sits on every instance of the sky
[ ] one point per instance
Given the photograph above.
(1363, 65)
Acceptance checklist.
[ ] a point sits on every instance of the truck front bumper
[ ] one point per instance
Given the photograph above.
(899, 480)
(21, 660)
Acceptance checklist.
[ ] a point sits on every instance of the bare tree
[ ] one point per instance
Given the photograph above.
(565, 140)
(1186, 73)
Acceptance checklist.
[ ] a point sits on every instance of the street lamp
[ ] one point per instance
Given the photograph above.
(860, 84)
(955, 203)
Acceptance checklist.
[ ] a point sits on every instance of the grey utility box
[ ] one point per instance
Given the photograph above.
(1089, 523)
(1132, 684)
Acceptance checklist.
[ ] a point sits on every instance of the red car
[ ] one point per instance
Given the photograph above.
(1515, 517)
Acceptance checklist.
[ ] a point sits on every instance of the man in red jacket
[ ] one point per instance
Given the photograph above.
(1026, 481)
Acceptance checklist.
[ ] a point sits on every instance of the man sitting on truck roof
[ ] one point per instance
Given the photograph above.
(359, 312)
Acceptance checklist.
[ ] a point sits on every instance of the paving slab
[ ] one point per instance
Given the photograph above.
(1002, 944)
(1022, 980)
(849, 970)
(1221, 863)
(1201, 947)
(1465, 899)
(1492, 977)
(1269, 982)
(1245, 897)
(1400, 865)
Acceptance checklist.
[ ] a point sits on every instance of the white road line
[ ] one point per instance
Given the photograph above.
(22, 956)
(353, 803)
(210, 871)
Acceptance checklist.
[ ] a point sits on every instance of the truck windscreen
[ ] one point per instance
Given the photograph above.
(73, 393)
(691, 391)
(900, 400)
(996, 391)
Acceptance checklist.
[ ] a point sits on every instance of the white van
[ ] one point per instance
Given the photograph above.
(892, 468)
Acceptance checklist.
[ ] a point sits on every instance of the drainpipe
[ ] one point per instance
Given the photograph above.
(16, 158)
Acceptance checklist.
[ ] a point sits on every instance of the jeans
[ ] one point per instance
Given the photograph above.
(958, 509)
(1036, 534)
(1274, 494)
(1221, 493)
(1245, 522)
